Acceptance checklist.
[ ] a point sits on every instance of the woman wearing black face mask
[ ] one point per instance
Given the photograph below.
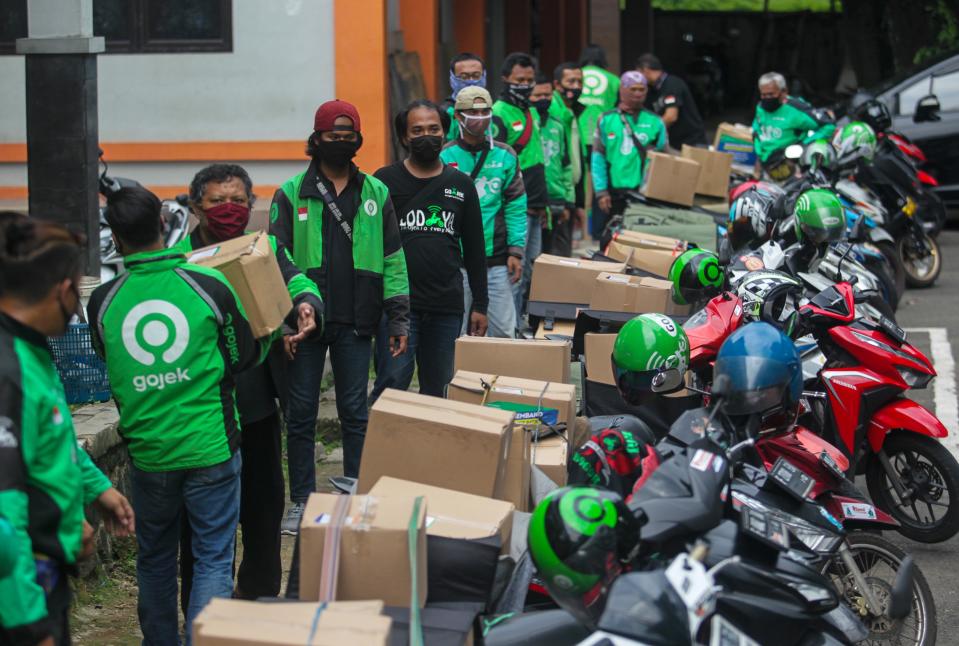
(441, 226)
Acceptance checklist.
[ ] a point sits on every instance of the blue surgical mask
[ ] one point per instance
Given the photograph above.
(457, 84)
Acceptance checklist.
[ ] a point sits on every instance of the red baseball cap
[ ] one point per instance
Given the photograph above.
(327, 113)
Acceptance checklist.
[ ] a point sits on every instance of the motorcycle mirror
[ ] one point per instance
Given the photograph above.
(793, 152)
(927, 109)
(900, 601)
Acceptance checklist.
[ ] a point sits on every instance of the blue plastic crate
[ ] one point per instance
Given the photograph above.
(83, 373)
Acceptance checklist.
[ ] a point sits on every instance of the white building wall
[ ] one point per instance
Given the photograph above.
(267, 88)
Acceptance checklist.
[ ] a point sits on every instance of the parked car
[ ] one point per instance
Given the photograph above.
(924, 104)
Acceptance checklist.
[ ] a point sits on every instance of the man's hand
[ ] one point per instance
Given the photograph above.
(514, 268)
(398, 345)
(305, 326)
(87, 543)
(605, 203)
(563, 215)
(478, 324)
(116, 512)
(47, 641)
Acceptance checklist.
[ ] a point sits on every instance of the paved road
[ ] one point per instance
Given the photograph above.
(938, 307)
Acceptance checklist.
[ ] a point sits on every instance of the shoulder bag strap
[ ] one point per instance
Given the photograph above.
(334, 209)
(632, 135)
(479, 165)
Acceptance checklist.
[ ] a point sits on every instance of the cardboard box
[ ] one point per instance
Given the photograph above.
(232, 622)
(737, 140)
(598, 353)
(551, 456)
(638, 294)
(454, 514)
(435, 441)
(541, 360)
(250, 266)
(670, 178)
(644, 240)
(374, 549)
(515, 486)
(558, 400)
(560, 328)
(655, 262)
(567, 280)
(714, 170)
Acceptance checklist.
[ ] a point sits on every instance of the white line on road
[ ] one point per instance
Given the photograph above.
(944, 386)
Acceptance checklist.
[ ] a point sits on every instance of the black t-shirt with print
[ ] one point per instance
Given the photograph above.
(672, 92)
(442, 232)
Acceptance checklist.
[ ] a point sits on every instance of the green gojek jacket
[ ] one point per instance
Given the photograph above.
(381, 284)
(616, 163)
(600, 94)
(46, 478)
(558, 154)
(173, 335)
(502, 195)
(454, 132)
(507, 126)
(790, 123)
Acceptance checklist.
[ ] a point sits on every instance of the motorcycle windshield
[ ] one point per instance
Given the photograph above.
(644, 606)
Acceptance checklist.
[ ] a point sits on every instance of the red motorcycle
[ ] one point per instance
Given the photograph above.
(858, 372)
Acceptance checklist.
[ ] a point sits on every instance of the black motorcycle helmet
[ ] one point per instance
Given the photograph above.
(580, 539)
(875, 113)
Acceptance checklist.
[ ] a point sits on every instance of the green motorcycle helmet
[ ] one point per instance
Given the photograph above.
(819, 217)
(855, 141)
(695, 275)
(650, 358)
(820, 149)
(580, 539)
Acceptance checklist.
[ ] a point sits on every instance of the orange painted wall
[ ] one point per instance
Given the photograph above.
(362, 74)
(469, 26)
(420, 22)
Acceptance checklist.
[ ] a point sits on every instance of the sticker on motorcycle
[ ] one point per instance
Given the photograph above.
(859, 510)
(701, 460)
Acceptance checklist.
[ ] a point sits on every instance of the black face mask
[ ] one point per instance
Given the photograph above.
(426, 148)
(770, 105)
(337, 153)
(542, 107)
(572, 95)
(519, 93)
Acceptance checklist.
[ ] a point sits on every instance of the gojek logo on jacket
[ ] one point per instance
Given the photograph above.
(156, 330)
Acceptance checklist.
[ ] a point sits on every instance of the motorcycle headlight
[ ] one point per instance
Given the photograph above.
(817, 539)
(914, 378)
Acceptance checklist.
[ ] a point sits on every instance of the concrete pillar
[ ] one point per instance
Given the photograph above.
(62, 135)
(604, 30)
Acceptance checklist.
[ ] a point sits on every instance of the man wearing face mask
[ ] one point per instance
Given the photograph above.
(493, 168)
(45, 477)
(562, 152)
(620, 143)
(340, 227)
(221, 196)
(442, 230)
(514, 125)
(782, 120)
(466, 70)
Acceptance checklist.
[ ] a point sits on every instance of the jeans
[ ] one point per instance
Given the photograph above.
(350, 356)
(534, 246)
(430, 344)
(501, 311)
(211, 497)
(261, 510)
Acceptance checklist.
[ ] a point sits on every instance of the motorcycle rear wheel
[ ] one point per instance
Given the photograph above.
(920, 271)
(927, 466)
(879, 562)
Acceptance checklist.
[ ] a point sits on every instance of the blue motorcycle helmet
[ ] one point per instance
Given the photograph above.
(760, 372)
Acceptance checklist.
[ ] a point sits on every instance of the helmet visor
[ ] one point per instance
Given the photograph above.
(756, 384)
(635, 385)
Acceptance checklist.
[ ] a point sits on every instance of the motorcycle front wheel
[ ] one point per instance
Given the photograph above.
(930, 474)
(879, 561)
(920, 258)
